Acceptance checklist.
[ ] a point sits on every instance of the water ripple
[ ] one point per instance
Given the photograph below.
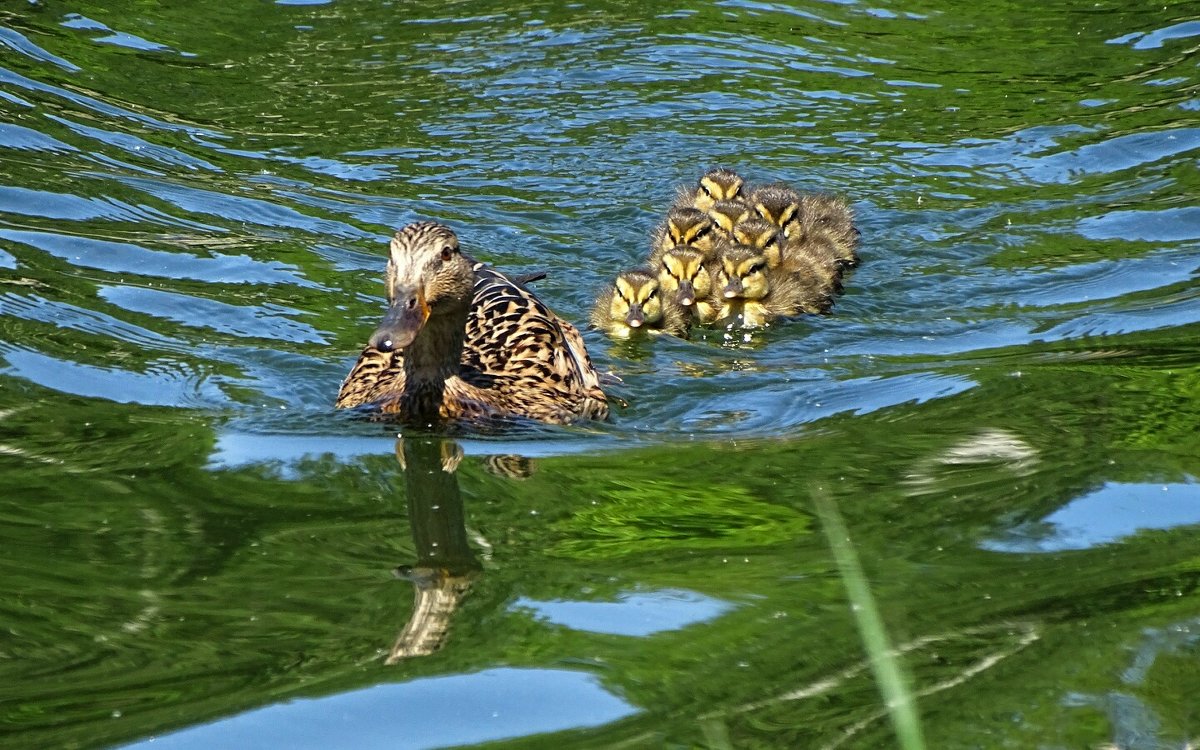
(125, 257)
(164, 383)
(265, 322)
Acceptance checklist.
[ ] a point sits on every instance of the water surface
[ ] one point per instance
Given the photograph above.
(197, 550)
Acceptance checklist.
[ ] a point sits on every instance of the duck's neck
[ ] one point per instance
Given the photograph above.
(433, 356)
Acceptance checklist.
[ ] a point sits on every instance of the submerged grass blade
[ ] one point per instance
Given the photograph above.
(897, 697)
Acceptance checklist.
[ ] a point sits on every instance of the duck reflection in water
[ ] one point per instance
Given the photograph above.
(446, 566)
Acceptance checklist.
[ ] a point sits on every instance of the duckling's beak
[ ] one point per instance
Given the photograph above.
(734, 288)
(635, 317)
(686, 295)
(402, 322)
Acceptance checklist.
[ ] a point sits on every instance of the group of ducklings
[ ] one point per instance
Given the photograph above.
(729, 252)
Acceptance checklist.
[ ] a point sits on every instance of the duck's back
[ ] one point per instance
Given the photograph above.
(523, 359)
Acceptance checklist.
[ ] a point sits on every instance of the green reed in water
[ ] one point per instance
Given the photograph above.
(893, 684)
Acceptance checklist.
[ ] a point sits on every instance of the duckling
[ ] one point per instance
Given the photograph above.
(728, 214)
(685, 279)
(690, 227)
(777, 203)
(635, 301)
(742, 284)
(461, 341)
(752, 291)
(761, 234)
(829, 215)
(717, 184)
(785, 260)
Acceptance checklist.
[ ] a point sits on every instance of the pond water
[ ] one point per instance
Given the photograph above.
(196, 550)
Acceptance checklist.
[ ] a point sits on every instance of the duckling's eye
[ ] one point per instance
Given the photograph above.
(756, 268)
(702, 231)
(447, 253)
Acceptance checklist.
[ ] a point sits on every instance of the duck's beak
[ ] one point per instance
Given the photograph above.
(402, 322)
(634, 318)
(686, 295)
(734, 288)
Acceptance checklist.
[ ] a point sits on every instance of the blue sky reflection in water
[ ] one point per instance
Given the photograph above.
(195, 547)
(1109, 514)
(448, 711)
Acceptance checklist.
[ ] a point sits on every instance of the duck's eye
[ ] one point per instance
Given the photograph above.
(756, 268)
(702, 231)
(447, 253)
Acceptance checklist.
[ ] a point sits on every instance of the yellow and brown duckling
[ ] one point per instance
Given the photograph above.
(728, 214)
(461, 341)
(748, 289)
(688, 227)
(635, 302)
(742, 285)
(717, 184)
(831, 216)
(817, 263)
(778, 204)
(685, 279)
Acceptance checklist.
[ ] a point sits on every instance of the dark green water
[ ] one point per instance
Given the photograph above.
(1004, 407)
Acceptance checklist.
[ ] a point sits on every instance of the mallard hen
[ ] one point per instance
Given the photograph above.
(461, 341)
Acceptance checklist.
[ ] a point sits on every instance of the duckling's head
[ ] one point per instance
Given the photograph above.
(727, 214)
(778, 204)
(427, 277)
(718, 184)
(761, 234)
(690, 227)
(636, 300)
(742, 273)
(683, 277)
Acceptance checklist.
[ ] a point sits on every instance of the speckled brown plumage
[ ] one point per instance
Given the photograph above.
(516, 357)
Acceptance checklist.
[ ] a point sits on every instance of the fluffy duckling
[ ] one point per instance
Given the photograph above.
(761, 234)
(685, 279)
(635, 301)
(688, 227)
(817, 263)
(726, 215)
(742, 285)
(751, 290)
(718, 184)
(777, 203)
(831, 216)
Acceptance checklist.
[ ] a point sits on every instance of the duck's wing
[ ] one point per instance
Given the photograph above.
(533, 360)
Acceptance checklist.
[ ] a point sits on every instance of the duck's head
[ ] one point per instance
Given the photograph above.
(742, 273)
(761, 234)
(727, 214)
(690, 227)
(778, 204)
(427, 276)
(682, 276)
(636, 300)
(718, 184)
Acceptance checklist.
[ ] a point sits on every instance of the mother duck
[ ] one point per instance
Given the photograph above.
(462, 342)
